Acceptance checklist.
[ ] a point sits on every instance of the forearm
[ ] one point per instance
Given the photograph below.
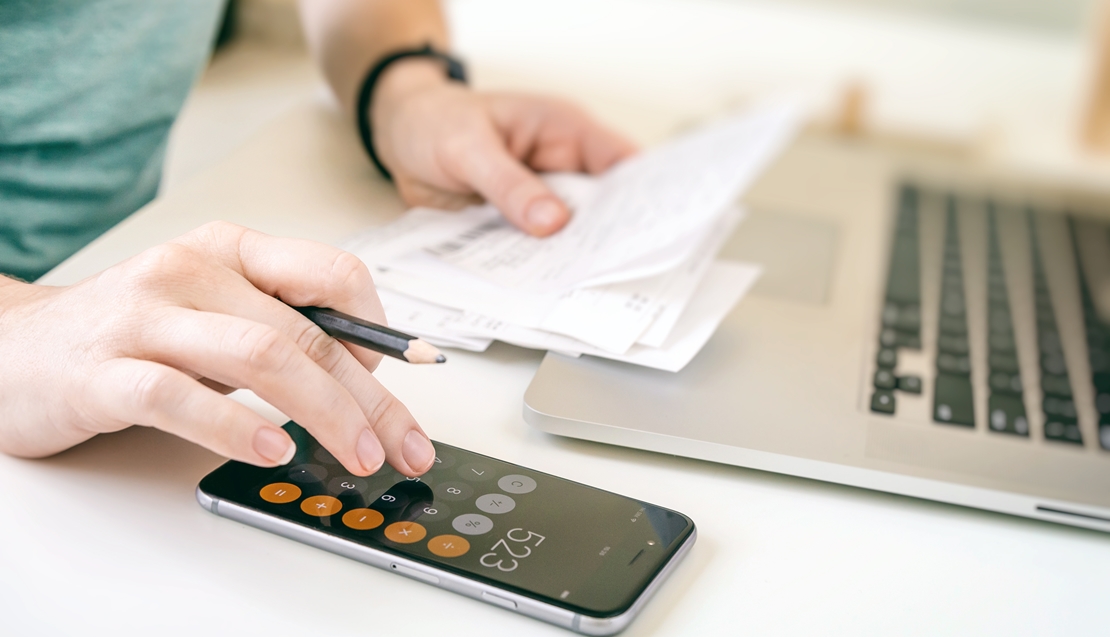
(347, 36)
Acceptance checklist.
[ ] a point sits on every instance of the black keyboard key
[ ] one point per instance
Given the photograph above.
(1003, 363)
(953, 344)
(884, 379)
(952, 401)
(910, 384)
(887, 358)
(1062, 409)
(953, 364)
(955, 325)
(1056, 385)
(1005, 383)
(1061, 431)
(1006, 414)
(882, 401)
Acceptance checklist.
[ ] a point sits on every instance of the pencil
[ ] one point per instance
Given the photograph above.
(379, 338)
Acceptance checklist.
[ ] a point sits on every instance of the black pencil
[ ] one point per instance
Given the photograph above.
(379, 338)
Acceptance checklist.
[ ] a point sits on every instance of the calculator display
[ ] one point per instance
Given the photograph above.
(565, 543)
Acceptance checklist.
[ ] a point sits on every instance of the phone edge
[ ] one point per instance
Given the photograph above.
(577, 622)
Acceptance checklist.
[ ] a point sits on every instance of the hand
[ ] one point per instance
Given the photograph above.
(445, 144)
(157, 339)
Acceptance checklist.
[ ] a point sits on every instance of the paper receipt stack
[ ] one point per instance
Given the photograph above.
(632, 277)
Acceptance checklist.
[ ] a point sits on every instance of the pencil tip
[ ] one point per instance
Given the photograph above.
(441, 359)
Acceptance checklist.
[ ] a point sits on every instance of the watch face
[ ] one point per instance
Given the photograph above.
(567, 544)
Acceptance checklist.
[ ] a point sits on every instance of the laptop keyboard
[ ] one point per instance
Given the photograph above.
(953, 395)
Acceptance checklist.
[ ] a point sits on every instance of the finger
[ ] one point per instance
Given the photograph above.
(389, 420)
(296, 271)
(602, 147)
(147, 393)
(514, 189)
(243, 353)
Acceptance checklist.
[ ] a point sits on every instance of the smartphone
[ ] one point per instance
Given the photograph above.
(526, 541)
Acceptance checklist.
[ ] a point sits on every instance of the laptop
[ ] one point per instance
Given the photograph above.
(925, 326)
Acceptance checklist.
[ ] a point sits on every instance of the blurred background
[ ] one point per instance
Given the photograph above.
(1008, 80)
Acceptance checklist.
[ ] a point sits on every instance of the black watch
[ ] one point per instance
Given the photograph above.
(455, 70)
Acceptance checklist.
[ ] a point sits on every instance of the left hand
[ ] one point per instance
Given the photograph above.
(447, 145)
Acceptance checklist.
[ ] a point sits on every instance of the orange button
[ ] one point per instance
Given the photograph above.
(321, 506)
(405, 532)
(280, 492)
(363, 519)
(448, 545)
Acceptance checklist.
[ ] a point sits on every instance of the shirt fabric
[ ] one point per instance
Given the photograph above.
(88, 92)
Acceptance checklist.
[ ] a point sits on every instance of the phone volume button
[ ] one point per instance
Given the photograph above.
(497, 600)
(427, 578)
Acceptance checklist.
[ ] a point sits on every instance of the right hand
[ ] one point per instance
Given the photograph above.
(157, 340)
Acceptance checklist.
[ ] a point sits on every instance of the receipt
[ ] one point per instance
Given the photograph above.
(642, 217)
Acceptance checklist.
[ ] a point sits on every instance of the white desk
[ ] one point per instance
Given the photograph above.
(107, 538)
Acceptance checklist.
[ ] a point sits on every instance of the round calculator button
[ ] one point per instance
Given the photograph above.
(434, 512)
(280, 493)
(495, 503)
(426, 479)
(454, 491)
(443, 461)
(347, 485)
(384, 499)
(472, 524)
(517, 484)
(324, 456)
(405, 532)
(305, 473)
(363, 519)
(321, 506)
(475, 472)
(448, 545)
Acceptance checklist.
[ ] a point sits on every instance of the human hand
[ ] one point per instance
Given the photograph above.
(157, 339)
(445, 144)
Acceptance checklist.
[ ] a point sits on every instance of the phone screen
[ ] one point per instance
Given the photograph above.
(567, 544)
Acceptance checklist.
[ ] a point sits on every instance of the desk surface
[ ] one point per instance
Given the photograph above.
(107, 536)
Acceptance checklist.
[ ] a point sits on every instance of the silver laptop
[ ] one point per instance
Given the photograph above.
(924, 327)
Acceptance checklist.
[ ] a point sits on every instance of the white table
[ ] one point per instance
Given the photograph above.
(107, 538)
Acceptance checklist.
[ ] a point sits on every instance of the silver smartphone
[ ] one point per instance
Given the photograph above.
(545, 547)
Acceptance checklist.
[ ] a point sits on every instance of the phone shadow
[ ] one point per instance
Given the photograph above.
(674, 591)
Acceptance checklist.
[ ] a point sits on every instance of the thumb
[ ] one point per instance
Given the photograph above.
(515, 190)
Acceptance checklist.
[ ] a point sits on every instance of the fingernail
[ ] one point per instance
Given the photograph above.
(418, 451)
(544, 215)
(274, 445)
(369, 451)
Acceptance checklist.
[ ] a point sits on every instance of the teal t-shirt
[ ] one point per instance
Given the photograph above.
(88, 91)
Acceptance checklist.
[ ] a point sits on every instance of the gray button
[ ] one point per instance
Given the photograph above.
(475, 472)
(454, 491)
(434, 512)
(347, 484)
(495, 503)
(517, 484)
(472, 524)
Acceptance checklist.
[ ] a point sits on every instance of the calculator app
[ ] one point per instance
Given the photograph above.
(545, 536)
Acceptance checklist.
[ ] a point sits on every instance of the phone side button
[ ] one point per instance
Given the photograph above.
(497, 600)
(415, 574)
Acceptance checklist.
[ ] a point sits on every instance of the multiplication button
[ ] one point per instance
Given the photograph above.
(517, 484)
(495, 503)
(472, 524)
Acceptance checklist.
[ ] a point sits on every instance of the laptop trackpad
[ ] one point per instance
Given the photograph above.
(796, 252)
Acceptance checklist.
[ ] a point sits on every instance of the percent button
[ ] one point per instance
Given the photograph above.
(472, 524)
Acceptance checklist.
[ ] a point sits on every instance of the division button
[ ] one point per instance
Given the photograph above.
(472, 524)
(405, 532)
(448, 545)
(321, 506)
(363, 519)
(495, 503)
(280, 493)
(518, 484)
